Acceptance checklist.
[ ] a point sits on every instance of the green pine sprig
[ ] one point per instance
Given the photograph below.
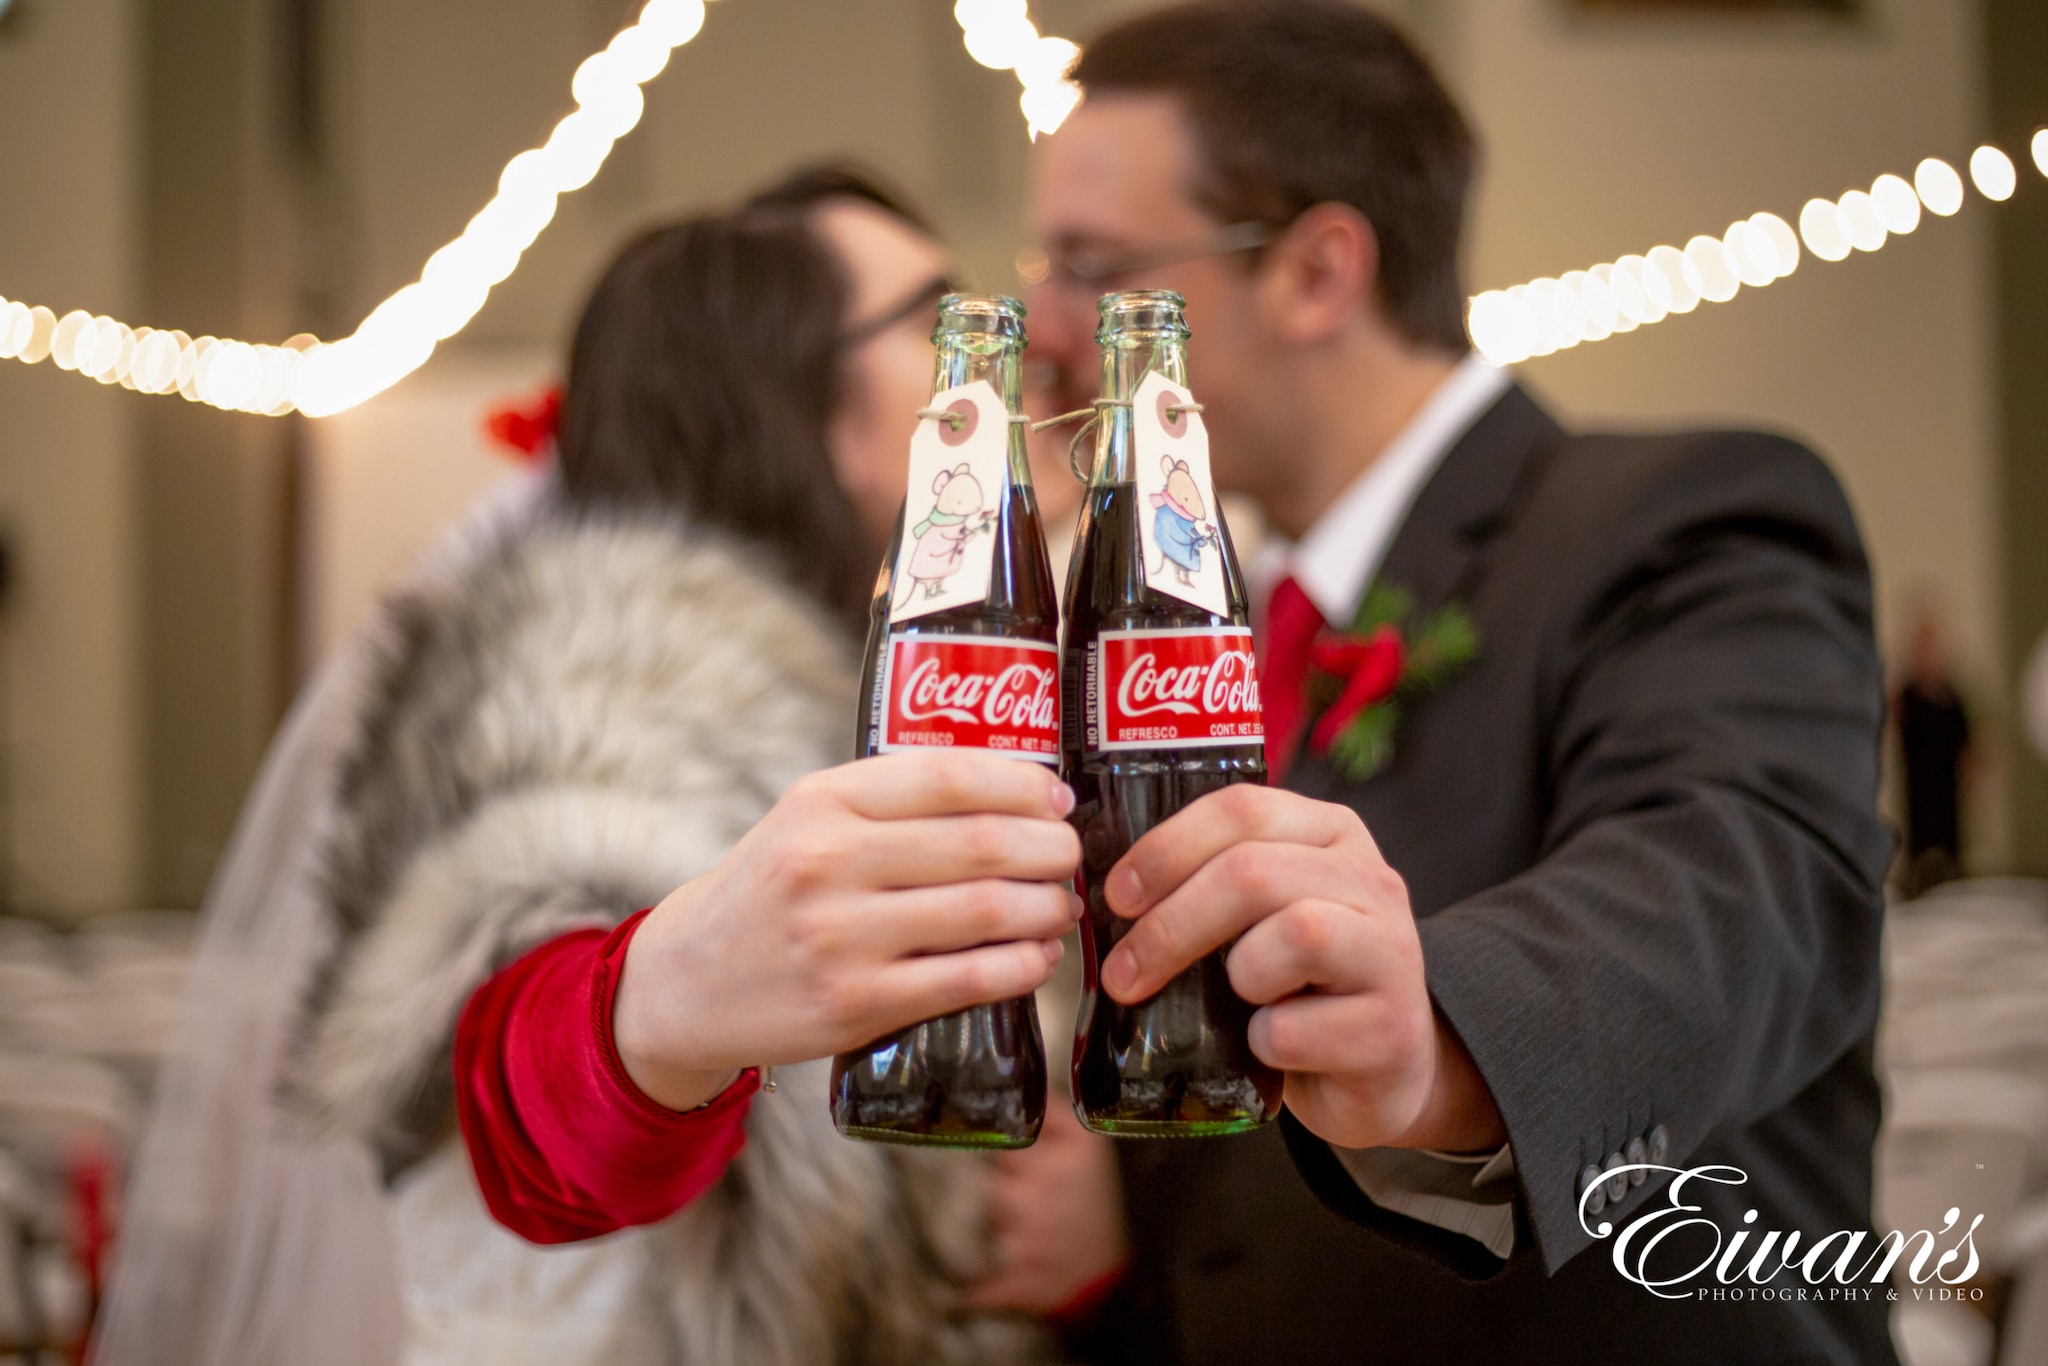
(1435, 652)
(1366, 745)
(1441, 648)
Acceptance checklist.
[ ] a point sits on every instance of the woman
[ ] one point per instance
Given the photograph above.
(599, 702)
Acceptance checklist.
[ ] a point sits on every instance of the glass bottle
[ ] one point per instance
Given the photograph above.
(1178, 1064)
(981, 675)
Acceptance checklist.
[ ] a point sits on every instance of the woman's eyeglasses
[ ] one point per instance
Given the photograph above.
(922, 301)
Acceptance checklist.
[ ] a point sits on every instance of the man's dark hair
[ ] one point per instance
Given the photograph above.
(1305, 102)
(705, 371)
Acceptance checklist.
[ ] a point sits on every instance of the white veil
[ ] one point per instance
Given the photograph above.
(243, 1239)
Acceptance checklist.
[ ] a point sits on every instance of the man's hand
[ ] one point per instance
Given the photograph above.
(1326, 945)
(1056, 1215)
(872, 896)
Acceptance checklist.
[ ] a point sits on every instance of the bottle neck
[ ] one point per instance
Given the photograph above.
(1127, 357)
(966, 357)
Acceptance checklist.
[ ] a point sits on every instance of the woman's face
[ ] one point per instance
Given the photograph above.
(896, 274)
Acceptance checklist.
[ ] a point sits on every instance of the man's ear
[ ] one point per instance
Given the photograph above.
(1322, 273)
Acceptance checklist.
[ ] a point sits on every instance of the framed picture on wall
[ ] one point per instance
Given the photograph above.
(1827, 7)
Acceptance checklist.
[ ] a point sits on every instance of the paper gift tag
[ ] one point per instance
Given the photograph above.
(1177, 515)
(959, 477)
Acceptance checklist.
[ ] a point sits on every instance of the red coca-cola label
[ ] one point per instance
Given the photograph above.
(1173, 689)
(972, 692)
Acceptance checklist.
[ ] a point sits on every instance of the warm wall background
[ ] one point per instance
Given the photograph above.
(1613, 136)
(263, 166)
(71, 765)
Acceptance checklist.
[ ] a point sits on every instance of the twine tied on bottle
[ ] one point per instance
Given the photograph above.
(1093, 412)
(957, 420)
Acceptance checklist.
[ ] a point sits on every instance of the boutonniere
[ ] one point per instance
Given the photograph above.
(1361, 678)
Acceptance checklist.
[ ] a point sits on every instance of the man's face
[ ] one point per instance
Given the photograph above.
(1115, 182)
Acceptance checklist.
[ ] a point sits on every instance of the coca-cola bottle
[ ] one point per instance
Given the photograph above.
(962, 653)
(1162, 707)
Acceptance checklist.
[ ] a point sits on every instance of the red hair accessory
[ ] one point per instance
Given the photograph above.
(526, 427)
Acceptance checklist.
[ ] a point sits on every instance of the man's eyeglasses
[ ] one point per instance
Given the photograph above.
(1098, 272)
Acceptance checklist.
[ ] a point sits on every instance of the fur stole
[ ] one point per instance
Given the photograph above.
(586, 714)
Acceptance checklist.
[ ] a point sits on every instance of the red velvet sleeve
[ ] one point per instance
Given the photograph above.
(564, 1145)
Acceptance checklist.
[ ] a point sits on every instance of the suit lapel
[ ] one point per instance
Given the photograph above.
(1435, 556)
(1468, 499)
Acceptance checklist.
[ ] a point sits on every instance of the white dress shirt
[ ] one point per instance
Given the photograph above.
(1334, 564)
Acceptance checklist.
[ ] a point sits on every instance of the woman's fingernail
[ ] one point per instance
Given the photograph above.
(1062, 799)
(1118, 974)
(1126, 891)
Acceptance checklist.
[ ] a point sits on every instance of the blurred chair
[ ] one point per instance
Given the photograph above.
(2025, 1331)
(172, 929)
(2007, 1031)
(1942, 1335)
(27, 982)
(57, 1113)
(122, 937)
(1964, 1048)
(26, 940)
(2013, 898)
(1956, 1139)
(24, 1325)
(85, 1020)
(51, 1106)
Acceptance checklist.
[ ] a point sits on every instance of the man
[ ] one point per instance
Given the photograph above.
(1607, 898)
(1934, 747)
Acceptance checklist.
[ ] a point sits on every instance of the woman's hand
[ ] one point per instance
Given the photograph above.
(1056, 1218)
(874, 895)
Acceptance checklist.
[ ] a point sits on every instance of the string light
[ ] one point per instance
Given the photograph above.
(1939, 187)
(1545, 316)
(1507, 325)
(316, 378)
(1992, 172)
(1550, 315)
(999, 34)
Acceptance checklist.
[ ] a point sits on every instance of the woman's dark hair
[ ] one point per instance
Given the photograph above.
(704, 374)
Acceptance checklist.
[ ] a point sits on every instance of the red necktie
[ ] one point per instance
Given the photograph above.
(1292, 623)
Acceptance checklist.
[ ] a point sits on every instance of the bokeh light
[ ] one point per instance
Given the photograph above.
(1508, 325)
(1939, 187)
(1992, 172)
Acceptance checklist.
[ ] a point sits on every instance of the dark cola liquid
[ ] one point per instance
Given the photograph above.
(1177, 1065)
(975, 1079)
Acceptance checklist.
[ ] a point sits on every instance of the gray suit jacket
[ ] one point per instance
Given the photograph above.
(1641, 837)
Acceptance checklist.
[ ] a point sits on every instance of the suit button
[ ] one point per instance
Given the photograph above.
(1589, 1180)
(1617, 1186)
(1637, 1153)
(1660, 1143)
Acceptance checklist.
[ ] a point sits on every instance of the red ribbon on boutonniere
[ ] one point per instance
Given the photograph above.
(1371, 668)
(1362, 677)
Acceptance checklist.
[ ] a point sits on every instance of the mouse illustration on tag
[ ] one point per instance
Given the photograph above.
(940, 540)
(1178, 525)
